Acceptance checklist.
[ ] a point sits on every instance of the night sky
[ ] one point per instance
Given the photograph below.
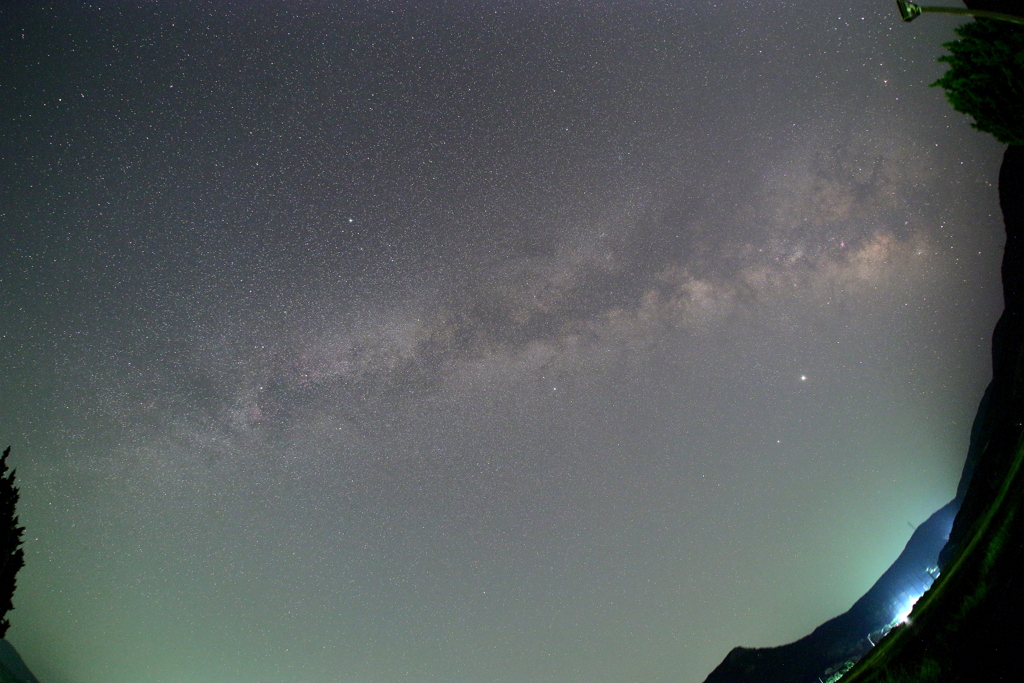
(476, 342)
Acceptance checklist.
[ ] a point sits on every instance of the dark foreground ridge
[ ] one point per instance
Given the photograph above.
(967, 626)
(844, 639)
(12, 668)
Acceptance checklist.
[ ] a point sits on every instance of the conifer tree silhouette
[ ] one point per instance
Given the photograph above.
(986, 77)
(12, 557)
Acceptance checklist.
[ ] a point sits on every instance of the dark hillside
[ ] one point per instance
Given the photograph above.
(963, 628)
(967, 626)
(847, 637)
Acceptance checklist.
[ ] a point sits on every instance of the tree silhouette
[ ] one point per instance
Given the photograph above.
(986, 77)
(12, 557)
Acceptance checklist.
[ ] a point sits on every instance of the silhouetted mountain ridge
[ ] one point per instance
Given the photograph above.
(995, 435)
(852, 633)
(12, 668)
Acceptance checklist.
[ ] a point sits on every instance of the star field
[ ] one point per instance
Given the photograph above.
(476, 341)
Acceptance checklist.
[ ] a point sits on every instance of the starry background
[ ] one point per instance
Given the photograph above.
(476, 341)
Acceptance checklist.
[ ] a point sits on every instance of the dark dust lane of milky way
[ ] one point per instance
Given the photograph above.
(548, 342)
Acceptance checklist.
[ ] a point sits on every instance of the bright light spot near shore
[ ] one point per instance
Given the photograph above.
(906, 609)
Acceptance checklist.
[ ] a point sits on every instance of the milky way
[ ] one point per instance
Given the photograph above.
(476, 341)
